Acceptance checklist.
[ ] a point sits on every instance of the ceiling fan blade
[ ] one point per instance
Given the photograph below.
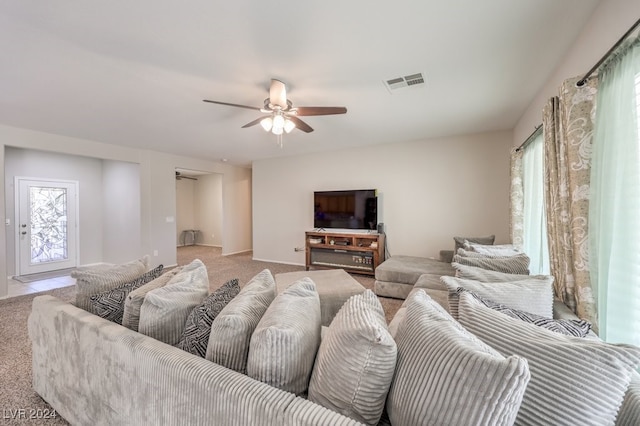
(278, 94)
(233, 105)
(253, 123)
(307, 111)
(300, 125)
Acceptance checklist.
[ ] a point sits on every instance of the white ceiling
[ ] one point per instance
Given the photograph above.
(134, 73)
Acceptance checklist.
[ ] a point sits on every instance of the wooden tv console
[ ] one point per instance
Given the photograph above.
(353, 252)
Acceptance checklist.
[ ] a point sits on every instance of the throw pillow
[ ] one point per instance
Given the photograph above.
(487, 275)
(164, 311)
(574, 381)
(577, 328)
(459, 241)
(197, 328)
(446, 376)
(110, 304)
(492, 249)
(232, 329)
(97, 280)
(133, 302)
(518, 264)
(284, 344)
(356, 361)
(533, 295)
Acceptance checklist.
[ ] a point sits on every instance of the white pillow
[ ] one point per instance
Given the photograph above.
(493, 250)
(164, 311)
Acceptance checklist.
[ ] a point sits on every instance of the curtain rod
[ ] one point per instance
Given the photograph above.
(530, 139)
(606, 55)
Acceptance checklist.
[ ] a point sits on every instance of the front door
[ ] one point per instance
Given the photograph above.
(46, 225)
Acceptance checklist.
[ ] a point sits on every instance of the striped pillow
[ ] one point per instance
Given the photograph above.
(97, 280)
(232, 329)
(446, 376)
(288, 335)
(518, 264)
(488, 276)
(577, 328)
(534, 295)
(459, 241)
(356, 361)
(110, 304)
(195, 336)
(133, 302)
(164, 310)
(574, 381)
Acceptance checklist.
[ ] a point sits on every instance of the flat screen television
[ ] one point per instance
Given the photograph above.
(354, 209)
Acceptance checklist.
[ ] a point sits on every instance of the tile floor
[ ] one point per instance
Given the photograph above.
(16, 288)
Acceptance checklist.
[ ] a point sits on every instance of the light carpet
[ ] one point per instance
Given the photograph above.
(16, 392)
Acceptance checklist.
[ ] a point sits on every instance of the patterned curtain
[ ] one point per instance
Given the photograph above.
(516, 197)
(568, 128)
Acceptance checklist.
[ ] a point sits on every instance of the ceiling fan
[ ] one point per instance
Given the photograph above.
(282, 115)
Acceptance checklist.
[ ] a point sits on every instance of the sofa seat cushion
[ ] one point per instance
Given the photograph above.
(574, 381)
(407, 269)
(442, 373)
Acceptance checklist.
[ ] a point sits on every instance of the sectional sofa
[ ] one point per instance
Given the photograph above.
(424, 368)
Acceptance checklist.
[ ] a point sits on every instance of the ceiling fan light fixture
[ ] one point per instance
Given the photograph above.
(289, 125)
(278, 123)
(266, 123)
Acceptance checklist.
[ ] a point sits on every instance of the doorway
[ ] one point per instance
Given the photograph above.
(47, 232)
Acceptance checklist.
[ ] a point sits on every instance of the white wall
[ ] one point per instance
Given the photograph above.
(157, 191)
(429, 192)
(609, 21)
(185, 212)
(208, 209)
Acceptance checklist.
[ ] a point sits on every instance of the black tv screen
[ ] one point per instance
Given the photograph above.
(355, 209)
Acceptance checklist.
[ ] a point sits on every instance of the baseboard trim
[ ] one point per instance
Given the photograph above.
(277, 261)
(237, 252)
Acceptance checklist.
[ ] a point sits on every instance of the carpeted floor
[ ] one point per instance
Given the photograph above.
(17, 398)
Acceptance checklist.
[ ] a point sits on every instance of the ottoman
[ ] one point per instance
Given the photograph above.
(334, 287)
(396, 276)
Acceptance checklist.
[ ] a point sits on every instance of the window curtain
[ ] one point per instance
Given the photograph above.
(516, 199)
(535, 243)
(615, 198)
(568, 129)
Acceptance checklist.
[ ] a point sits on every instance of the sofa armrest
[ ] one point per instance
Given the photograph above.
(93, 372)
(446, 256)
(629, 414)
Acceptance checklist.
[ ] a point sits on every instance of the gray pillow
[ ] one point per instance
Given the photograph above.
(232, 329)
(164, 311)
(534, 295)
(356, 361)
(133, 302)
(459, 241)
(110, 304)
(518, 264)
(97, 280)
(197, 328)
(446, 376)
(574, 381)
(284, 344)
(487, 275)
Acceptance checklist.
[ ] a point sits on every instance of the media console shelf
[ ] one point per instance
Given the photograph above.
(361, 253)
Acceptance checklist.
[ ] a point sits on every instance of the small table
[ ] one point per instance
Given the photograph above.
(334, 286)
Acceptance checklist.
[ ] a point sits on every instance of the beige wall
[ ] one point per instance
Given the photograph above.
(610, 20)
(157, 229)
(199, 206)
(428, 192)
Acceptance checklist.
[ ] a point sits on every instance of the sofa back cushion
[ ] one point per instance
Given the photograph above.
(445, 375)
(284, 344)
(96, 280)
(133, 302)
(459, 241)
(518, 264)
(232, 329)
(574, 381)
(356, 361)
(487, 275)
(164, 311)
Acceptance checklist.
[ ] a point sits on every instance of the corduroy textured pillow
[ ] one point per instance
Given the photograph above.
(97, 280)
(459, 241)
(164, 311)
(489, 276)
(446, 376)
(534, 295)
(284, 344)
(197, 328)
(574, 381)
(232, 329)
(356, 361)
(110, 304)
(518, 264)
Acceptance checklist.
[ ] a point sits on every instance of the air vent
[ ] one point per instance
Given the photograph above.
(413, 80)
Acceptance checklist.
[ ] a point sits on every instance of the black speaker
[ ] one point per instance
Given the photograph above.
(381, 228)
